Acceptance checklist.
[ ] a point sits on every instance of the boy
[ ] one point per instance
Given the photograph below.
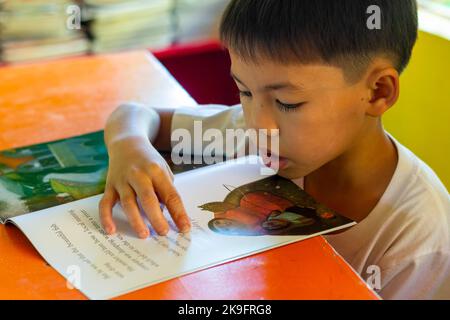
(317, 72)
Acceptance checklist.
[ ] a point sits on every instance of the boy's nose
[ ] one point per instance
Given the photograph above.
(263, 118)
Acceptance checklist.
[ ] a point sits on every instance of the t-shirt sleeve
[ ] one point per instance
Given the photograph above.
(196, 121)
(425, 277)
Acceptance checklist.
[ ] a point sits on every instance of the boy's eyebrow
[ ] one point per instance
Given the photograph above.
(274, 86)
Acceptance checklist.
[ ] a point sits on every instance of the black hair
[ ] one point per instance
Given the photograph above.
(333, 32)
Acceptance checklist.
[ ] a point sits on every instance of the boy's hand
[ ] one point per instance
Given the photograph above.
(136, 169)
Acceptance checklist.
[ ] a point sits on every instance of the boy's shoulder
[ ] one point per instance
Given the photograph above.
(419, 202)
(414, 246)
(417, 184)
(411, 220)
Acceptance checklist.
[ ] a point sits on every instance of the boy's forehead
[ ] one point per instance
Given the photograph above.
(258, 63)
(272, 73)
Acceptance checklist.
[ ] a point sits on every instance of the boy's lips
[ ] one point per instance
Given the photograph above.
(274, 161)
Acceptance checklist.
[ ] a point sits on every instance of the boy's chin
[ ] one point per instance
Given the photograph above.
(289, 173)
(293, 172)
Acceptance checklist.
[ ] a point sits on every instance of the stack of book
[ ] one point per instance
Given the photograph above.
(198, 20)
(127, 24)
(39, 29)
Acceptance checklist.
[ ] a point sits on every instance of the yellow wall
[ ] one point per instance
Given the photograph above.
(421, 118)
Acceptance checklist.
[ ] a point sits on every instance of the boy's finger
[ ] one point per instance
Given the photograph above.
(131, 209)
(169, 171)
(150, 203)
(173, 202)
(106, 205)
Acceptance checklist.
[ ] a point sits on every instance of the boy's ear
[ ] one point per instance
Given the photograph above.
(383, 85)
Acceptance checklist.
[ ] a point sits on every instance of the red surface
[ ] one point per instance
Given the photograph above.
(52, 100)
(203, 69)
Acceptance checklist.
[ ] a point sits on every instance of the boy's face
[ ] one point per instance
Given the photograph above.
(325, 119)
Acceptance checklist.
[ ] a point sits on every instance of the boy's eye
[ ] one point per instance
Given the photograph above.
(245, 93)
(288, 107)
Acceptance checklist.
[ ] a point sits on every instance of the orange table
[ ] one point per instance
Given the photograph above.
(52, 100)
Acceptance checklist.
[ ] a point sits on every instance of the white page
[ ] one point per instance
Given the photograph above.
(108, 266)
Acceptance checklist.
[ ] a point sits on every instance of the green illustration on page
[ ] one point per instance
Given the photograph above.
(45, 175)
(49, 174)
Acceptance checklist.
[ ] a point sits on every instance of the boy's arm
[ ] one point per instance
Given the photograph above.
(212, 116)
(157, 124)
(137, 121)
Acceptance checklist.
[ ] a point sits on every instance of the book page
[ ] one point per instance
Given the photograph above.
(234, 211)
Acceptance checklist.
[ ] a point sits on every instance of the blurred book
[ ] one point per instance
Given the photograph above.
(128, 24)
(439, 7)
(28, 50)
(43, 29)
(198, 20)
(434, 17)
(40, 29)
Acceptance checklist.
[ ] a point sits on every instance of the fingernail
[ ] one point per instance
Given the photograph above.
(185, 229)
(185, 226)
(143, 234)
(163, 232)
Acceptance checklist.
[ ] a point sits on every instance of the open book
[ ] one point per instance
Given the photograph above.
(235, 212)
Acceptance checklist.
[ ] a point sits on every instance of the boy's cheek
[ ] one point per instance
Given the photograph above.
(313, 148)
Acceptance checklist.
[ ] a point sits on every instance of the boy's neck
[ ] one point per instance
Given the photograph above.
(353, 183)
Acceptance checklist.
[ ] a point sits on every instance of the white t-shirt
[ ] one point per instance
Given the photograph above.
(404, 241)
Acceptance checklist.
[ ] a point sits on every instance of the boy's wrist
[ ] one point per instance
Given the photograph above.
(132, 122)
(127, 141)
